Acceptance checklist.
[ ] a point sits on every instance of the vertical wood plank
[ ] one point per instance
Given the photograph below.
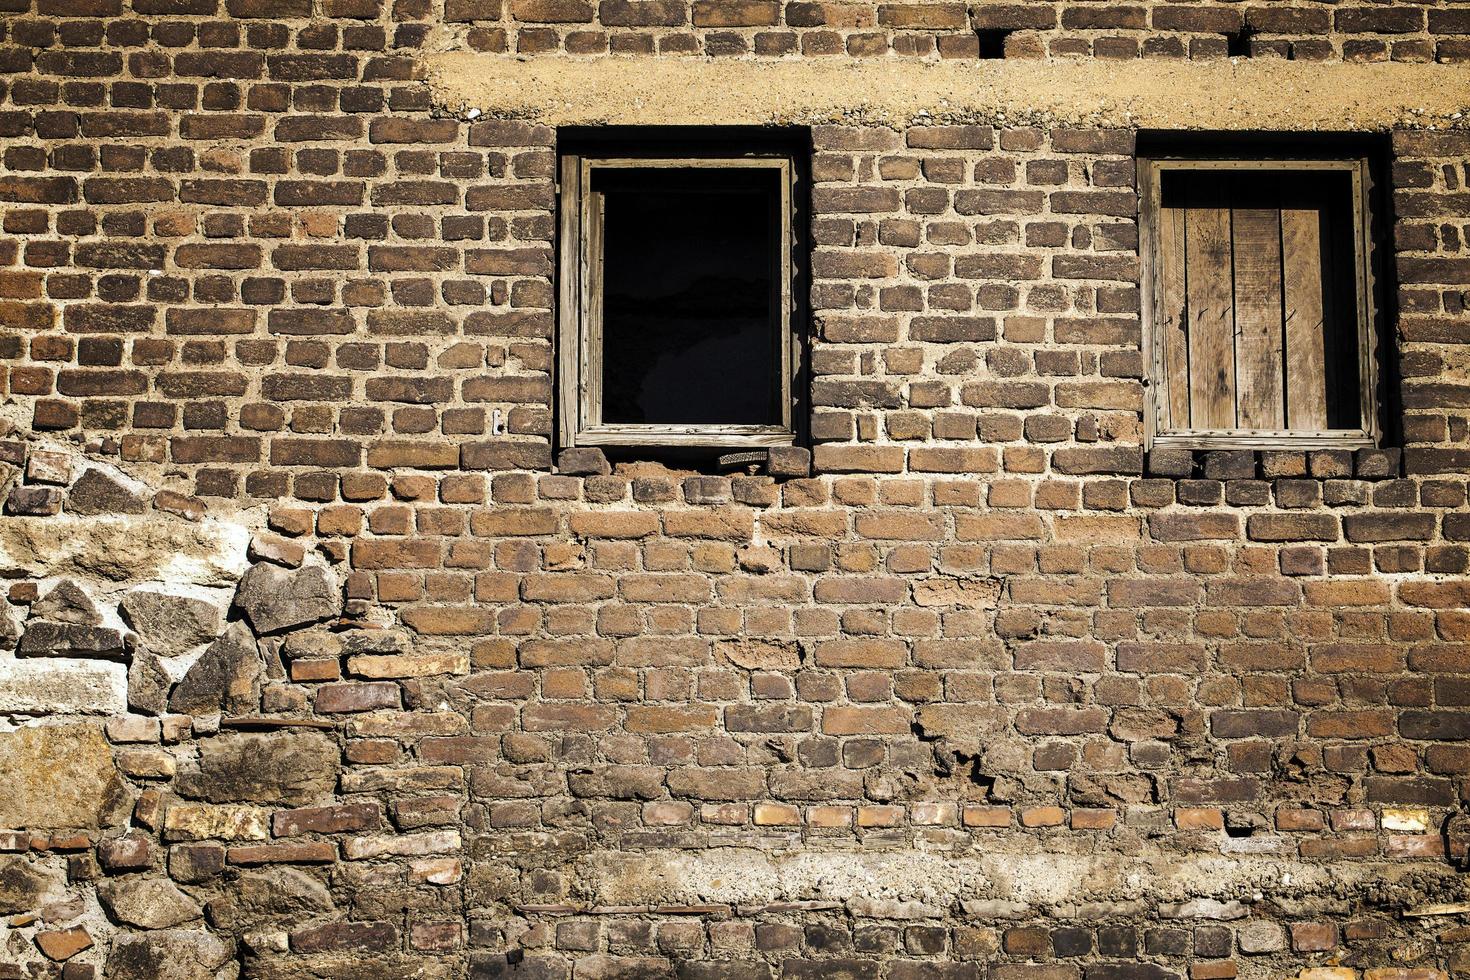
(1211, 314)
(1306, 377)
(1256, 236)
(595, 207)
(1173, 314)
(569, 307)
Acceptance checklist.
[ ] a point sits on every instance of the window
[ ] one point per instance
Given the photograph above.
(677, 298)
(1258, 303)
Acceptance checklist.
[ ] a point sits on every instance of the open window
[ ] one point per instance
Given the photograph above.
(1259, 303)
(678, 297)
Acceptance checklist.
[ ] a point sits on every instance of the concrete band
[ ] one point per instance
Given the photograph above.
(1224, 95)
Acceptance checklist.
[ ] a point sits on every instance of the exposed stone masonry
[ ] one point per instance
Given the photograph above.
(305, 672)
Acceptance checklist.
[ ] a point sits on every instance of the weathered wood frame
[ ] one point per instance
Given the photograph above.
(1159, 432)
(579, 320)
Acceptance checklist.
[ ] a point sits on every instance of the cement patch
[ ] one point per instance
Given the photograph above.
(1188, 886)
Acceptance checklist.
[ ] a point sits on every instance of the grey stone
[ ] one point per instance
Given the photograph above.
(360, 965)
(195, 863)
(26, 884)
(173, 954)
(275, 598)
(52, 686)
(148, 684)
(9, 628)
(67, 602)
(313, 643)
(34, 501)
(132, 851)
(96, 492)
(583, 461)
(226, 678)
(148, 903)
(171, 624)
(537, 966)
(788, 462)
(278, 895)
(1204, 908)
(285, 768)
(1260, 937)
(603, 966)
(59, 777)
(126, 549)
(379, 642)
(47, 639)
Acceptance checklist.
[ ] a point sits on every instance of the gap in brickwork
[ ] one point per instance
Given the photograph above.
(992, 42)
(1238, 43)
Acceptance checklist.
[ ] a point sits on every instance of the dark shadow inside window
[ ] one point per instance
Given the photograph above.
(691, 292)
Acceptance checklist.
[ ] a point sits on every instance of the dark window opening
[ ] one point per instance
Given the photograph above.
(681, 288)
(691, 319)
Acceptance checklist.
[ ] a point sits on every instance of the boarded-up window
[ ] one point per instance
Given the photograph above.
(1260, 304)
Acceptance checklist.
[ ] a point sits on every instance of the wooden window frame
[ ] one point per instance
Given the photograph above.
(1159, 433)
(579, 321)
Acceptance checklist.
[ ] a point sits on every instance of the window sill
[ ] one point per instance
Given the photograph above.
(681, 436)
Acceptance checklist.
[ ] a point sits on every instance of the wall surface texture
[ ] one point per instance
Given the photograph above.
(306, 672)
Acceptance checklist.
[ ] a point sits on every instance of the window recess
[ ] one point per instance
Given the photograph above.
(1258, 304)
(678, 301)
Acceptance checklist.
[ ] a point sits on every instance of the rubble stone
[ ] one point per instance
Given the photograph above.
(43, 638)
(225, 678)
(148, 683)
(59, 776)
(67, 602)
(275, 599)
(96, 492)
(130, 852)
(26, 884)
(63, 944)
(171, 624)
(9, 628)
(54, 686)
(166, 955)
(148, 903)
(274, 896)
(289, 768)
(46, 466)
(34, 501)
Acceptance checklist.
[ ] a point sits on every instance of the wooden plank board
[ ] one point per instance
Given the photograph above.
(568, 303)
(1306, 377)
(1256, 237)
(1211, 318)
(1343, 331)
(1173, 316)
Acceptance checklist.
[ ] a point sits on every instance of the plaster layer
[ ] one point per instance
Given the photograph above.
(1196, 884)
(1228, 95)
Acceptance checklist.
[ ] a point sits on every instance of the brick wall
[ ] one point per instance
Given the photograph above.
(991, 693)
